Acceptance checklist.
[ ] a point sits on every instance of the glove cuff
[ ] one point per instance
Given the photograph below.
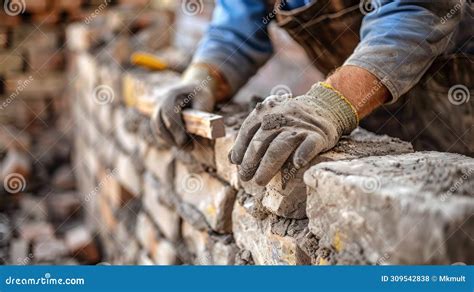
(340, 109)
(208, 76)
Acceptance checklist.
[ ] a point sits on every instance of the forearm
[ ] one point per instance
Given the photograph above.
(361, 88)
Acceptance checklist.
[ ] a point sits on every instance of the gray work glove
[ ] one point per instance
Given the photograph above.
(197, 89)
(282, 127)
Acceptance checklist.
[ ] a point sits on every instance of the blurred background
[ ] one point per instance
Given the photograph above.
(41, 211)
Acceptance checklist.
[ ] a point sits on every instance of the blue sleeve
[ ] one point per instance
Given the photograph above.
(237, 41)
(400, 40)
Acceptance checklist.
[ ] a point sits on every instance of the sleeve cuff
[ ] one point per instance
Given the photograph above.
(381, 75)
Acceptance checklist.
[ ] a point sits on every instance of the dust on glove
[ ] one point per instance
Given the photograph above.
(283, 127)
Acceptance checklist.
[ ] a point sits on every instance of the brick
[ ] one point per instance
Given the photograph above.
(20, 252)
(35, 86)
(146, 233)
(196, 241)
(144, 259)
(12, 138)
(286, 193)
(3, 37)
(110, 188)
(164, 253)
(81, 37)
(81, 245)
(33, 208)
(399, 209)
(225, 169)
(212, 197)
(45, 60)
(63, 178)
(127, 174)
(271, 241)
(34, 230)
(165, 218)
(9, 20)
(5, 230)
(63, 206)
(107, 216)
(160, 163)
(33, 6)
(11, 62)
(48, 249)
(28, 36)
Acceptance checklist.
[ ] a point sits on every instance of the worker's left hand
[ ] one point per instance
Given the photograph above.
(283, 127)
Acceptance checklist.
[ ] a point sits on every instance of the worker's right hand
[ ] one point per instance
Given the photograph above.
(197, 89)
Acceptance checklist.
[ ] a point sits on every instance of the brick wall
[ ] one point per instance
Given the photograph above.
(370, 200)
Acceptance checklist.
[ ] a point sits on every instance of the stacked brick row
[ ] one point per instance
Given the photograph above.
(153, 204)
(40, 212)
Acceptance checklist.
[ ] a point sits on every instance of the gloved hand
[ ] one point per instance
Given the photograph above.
(283, 126)
(199, 88)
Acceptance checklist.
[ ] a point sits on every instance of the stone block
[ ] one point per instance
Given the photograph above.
(167, 220)
(20, 252)
(271, 241)
(286, 193)
(81, 245)
(160, 163)
(212, 197)
(397, 209)
(30, 231)
(225, 169)
(127, 174)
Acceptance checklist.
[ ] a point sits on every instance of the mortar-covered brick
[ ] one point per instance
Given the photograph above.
(209, 249)
(286, 193)
(400, 209)
(271, 241)
(212, 197)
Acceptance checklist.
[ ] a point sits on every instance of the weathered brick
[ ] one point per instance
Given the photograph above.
(225, 169)
(19, 252)
(34, 230)
(209, 249)
(81, 245)
(286, 193)
(212, 197)
(48, 249)
(160, 163)
(63, 206)
(401, 209)
(127, 173)
(166, 219)
(164, 253)
(272, 241)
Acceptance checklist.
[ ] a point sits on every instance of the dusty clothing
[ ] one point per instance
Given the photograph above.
(429, 115)
(397, 41)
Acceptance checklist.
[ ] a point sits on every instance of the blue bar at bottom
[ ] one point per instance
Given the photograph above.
(240, 278)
